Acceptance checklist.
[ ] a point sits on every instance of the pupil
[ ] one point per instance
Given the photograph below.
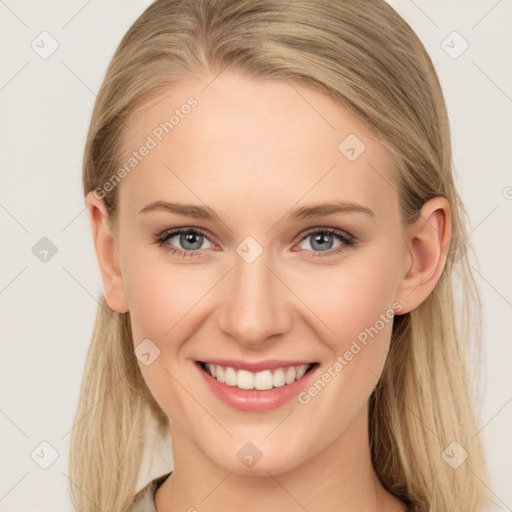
(192, 239)
(322, 240)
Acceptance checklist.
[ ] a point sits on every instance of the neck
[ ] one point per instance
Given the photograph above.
(341, 477)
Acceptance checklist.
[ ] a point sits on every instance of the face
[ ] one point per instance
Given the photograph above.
(263, 282)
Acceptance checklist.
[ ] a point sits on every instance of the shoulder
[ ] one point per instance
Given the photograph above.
(144, 500)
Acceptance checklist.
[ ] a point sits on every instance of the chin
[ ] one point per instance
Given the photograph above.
(258, 458)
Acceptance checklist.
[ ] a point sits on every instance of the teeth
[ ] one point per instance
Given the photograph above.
(266, 379)
(291, 373)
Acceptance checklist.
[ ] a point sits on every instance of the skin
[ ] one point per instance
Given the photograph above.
(253, 151)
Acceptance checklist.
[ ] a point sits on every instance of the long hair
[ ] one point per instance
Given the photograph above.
(366, 57)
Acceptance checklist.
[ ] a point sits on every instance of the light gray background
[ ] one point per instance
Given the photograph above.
(48, 309)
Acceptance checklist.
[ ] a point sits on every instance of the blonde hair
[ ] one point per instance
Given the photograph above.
(366, 57)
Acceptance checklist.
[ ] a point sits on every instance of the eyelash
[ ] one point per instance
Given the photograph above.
(346, 239)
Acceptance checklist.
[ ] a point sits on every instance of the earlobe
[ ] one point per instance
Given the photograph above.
(105, 245)
(428, 239)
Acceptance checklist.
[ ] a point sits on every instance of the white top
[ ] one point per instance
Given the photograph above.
(144, 500)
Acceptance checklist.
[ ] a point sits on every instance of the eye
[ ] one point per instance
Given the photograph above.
(324, 241)
(189, 241)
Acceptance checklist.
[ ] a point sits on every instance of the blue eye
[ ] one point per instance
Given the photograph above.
(324, 239)
(190, 241)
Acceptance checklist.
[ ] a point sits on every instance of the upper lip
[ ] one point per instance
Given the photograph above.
(255, 366)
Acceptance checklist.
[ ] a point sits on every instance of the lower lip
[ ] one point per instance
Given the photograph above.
(255, 400)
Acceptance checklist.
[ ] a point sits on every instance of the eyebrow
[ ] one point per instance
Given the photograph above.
(304, 212)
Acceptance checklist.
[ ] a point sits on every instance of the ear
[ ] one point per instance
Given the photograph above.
(105, 244)
(427, 242)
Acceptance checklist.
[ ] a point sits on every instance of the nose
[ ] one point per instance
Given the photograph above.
(257, 307)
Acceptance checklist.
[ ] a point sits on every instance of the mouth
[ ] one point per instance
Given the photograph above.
(256, 387)
(262, 380)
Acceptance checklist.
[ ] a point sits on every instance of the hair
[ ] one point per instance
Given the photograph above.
(368, 59)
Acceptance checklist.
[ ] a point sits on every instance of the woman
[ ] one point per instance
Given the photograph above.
(273, 209)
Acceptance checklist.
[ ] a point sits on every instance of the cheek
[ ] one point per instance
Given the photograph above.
(352, 298)
(158, 293)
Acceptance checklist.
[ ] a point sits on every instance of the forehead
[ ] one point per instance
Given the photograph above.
(249, 145)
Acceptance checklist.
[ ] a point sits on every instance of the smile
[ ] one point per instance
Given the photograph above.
(256, 387)
(263, 380)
